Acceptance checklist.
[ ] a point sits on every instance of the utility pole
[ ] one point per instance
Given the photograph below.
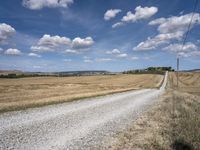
(177, 72)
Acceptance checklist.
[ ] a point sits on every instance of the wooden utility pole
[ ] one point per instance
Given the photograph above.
(177, 72)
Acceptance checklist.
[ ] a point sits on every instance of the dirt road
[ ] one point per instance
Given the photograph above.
(76, 125)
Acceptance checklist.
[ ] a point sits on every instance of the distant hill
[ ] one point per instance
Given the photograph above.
(18, 74)
(6, 72)
(193, 70)
(156, 70)
(88, 72)
(71, 73)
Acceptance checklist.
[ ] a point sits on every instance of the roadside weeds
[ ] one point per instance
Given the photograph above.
(161, 128)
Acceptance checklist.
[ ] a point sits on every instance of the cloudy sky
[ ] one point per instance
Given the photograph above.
(113, 35)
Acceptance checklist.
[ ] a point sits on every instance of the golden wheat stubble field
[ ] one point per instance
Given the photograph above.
(188, 82)
(22, 93)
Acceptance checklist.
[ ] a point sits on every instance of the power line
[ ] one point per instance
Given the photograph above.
(183, 44)
(188, 29)
(185, 38)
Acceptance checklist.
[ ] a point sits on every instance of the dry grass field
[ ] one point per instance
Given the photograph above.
(188, 82)
(173, 123)
(22, 93)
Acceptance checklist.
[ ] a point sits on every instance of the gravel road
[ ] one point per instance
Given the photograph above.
(80, 124)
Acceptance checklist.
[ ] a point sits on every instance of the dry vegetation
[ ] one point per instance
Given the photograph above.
(21, 93)
(173, 123)
(189, 82)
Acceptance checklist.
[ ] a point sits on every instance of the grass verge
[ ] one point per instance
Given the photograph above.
(164, 128)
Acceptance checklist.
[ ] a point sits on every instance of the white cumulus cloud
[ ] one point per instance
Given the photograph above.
(152, 43)
(79, 43)
(39, 4)
(114, 51)
(34, 55)
(118, 24)
(53, 41)
(123, 55)
(140, 13)
(111, 13)
(71, 51)
(117, 53)
(13, 51)
(157, 21)
(41, 48)
(172, 28)
(176, 23)
(189, 49)
(50, 43)
(5, 32)
(179, 47)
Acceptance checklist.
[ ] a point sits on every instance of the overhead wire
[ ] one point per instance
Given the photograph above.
(183, 44)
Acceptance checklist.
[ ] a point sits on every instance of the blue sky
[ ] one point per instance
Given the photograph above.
(113, 35)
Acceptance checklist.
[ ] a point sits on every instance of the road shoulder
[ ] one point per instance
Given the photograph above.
(157, 129)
